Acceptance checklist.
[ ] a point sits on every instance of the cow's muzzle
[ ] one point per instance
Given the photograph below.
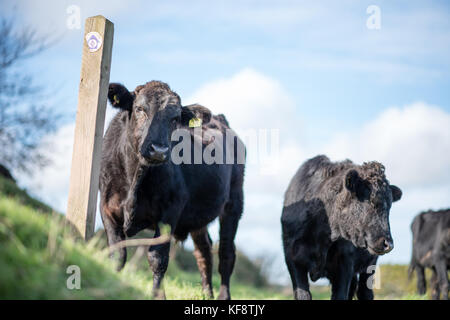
(382, 246)
(156, 154)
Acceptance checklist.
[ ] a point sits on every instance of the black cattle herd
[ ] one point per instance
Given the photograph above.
(335, 216)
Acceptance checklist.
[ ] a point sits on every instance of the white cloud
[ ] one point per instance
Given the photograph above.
(51, 184)
(413, 143)
(249, 99)
(252, 102)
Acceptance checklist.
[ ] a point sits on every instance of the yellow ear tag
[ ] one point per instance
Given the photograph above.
(195, 122)
(116, 100)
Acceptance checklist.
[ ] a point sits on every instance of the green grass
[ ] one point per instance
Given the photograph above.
(395, 284)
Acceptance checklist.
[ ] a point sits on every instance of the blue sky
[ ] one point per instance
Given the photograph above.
(309, 68)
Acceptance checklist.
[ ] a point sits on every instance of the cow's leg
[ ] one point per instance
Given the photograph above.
(291, 270)
(435, 292)
(114, 233)
(421, 282)
(442, 277)
(340, 282)
(353, 287)
(203, 255)
(300, 283)
(229, 221)
(158, 259)
(364, 292)
(130, 225)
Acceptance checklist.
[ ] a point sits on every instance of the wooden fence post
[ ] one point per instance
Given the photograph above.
(90, 121)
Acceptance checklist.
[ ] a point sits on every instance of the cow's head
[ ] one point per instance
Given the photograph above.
(155, 111)
(368, 199)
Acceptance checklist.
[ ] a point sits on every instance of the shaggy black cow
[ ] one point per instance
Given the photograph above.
(326, 202)
(431, 249)
(141, 189)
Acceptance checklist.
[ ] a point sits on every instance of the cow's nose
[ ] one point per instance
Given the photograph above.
(386, 244)
(158, 153)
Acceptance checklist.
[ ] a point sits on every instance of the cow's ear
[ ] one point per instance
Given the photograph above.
(120, 97)
(396, 193)
(351, 180)
(355, 184)
(195, 111)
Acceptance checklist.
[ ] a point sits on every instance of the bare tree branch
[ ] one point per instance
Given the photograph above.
(24, 117)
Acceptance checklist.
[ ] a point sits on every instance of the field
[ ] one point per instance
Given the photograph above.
(36, 248)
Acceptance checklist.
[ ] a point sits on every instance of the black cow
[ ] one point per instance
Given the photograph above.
(140, 188)
(431, 249)
(325, 203)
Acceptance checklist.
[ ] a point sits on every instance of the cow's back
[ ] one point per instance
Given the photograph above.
(427, 225)
(316, 178)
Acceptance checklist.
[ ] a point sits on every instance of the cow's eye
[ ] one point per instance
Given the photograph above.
(175, 120)
(139, 109)
(379, 205)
